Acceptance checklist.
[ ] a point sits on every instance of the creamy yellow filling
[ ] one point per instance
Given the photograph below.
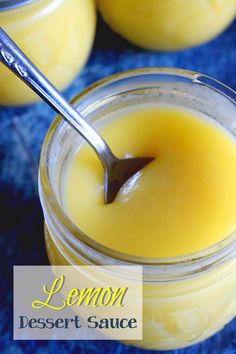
(183, 202)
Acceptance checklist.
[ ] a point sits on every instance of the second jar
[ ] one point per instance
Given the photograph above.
(57, 35)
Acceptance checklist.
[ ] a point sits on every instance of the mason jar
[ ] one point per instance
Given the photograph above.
(57, 35)
(168, 25)
(185, 299)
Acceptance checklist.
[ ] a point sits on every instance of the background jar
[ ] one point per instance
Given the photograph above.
(57, 35)
(170, 24)
(185, 299)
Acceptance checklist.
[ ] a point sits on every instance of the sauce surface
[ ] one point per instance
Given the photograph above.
(183, 202)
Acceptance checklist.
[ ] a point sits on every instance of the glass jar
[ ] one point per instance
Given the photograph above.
(170, 24)
(57, 35)
(185, 299)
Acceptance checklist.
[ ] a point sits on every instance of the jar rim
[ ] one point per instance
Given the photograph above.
(6, 5)
(215, 254)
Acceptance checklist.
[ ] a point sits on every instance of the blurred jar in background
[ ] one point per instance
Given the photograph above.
(57, 35)
(168, 24)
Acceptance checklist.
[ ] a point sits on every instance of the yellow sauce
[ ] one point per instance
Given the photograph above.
(183, 202)
(56, 35)
(168, 24)
(176, 313)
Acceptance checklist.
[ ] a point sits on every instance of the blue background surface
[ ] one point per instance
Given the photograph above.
(22, 131)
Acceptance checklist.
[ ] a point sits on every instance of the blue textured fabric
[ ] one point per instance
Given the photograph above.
(22, 131)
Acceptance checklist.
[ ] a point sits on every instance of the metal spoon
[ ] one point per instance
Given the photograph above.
(117, 171)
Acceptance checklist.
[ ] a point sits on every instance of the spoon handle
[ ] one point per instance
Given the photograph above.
(12, 57)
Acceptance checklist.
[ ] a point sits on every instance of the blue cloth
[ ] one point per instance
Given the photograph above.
(22, 131)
